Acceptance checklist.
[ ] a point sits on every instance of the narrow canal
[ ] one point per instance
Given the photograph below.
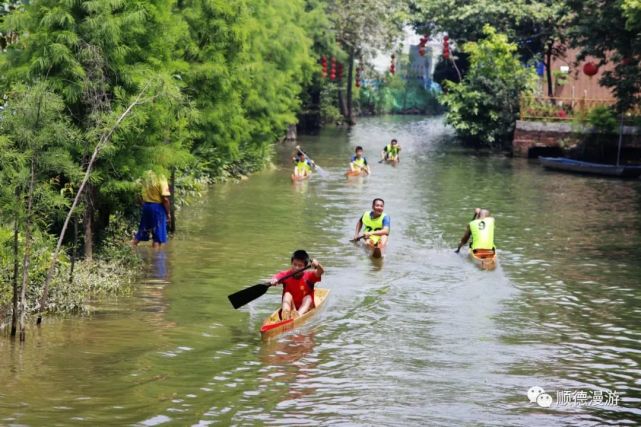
(421, 338)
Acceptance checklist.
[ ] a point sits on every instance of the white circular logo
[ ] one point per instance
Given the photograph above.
(544, 400)
(534, 392)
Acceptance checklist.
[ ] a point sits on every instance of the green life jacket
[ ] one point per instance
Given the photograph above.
(482, 233)
(359, 162)
(304, 168)
(372, 224)
(392, 151)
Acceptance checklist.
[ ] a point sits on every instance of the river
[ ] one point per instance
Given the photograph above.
(421, 338)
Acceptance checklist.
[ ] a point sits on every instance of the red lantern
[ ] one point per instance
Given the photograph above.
(392, 69)
(358, 77)
(340, 71)
(446, 48)
(332, 73)
(324, 66)
(590, 69)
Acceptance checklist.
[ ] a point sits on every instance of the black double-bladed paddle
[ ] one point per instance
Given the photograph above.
(247, 295)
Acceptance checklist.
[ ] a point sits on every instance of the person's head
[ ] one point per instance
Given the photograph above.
(378, 205)
(394, 142)
(359, 151)
(300, 259)
(484, 213)
(301, 156)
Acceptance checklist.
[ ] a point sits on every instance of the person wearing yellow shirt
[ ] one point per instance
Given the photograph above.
(155, 210)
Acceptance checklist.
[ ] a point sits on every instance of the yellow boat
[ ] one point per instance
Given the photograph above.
(361, 172)
(376, 250)
(484, 258)
(273, 325)
(298, 178)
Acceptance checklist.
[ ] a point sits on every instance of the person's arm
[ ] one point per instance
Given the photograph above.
(464, 239)
(359, 225)
(167, 204)
(276, 277)
(319, 268)
(384, 231)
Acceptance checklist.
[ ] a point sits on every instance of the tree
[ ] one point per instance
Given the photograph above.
(35, 156)
(484, 106)
(609, 31)
(537, 27)
(362, 27)
(96, 55)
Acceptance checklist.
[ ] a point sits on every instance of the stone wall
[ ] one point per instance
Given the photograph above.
(532, 138)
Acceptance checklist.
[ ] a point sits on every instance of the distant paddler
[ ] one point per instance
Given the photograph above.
(377, 227)
(391, 152)
(358, 164)
(481, 230)
(298, 289)
(303, 166)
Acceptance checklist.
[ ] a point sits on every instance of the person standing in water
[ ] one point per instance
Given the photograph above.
(155, 210)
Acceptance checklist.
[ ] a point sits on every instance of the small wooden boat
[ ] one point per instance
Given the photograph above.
(376, 250)
(484, 258)
(356, 173)
(296, 178)
(393, 161)
(273, 325)
(576, 166)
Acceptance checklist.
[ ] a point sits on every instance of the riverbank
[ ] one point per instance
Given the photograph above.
(80, 284)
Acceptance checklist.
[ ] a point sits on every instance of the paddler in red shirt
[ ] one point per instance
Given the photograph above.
(298, 290)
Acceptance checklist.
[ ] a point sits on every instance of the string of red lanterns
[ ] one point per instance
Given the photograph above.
(446, 48)
(332, 72)
(392, 67)
(423, 42)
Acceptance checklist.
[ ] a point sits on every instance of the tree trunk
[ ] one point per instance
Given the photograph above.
(74, 249)
(27, 253)
(350, 78)
(88, 222)
(16, 262)
(341, 102)
(548, 69)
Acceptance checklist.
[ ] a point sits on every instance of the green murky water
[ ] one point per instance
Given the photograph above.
(421, 338)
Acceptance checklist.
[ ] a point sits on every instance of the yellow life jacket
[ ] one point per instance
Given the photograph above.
(373, 224)
(303, 168)
(359, 162)
(482, 233)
